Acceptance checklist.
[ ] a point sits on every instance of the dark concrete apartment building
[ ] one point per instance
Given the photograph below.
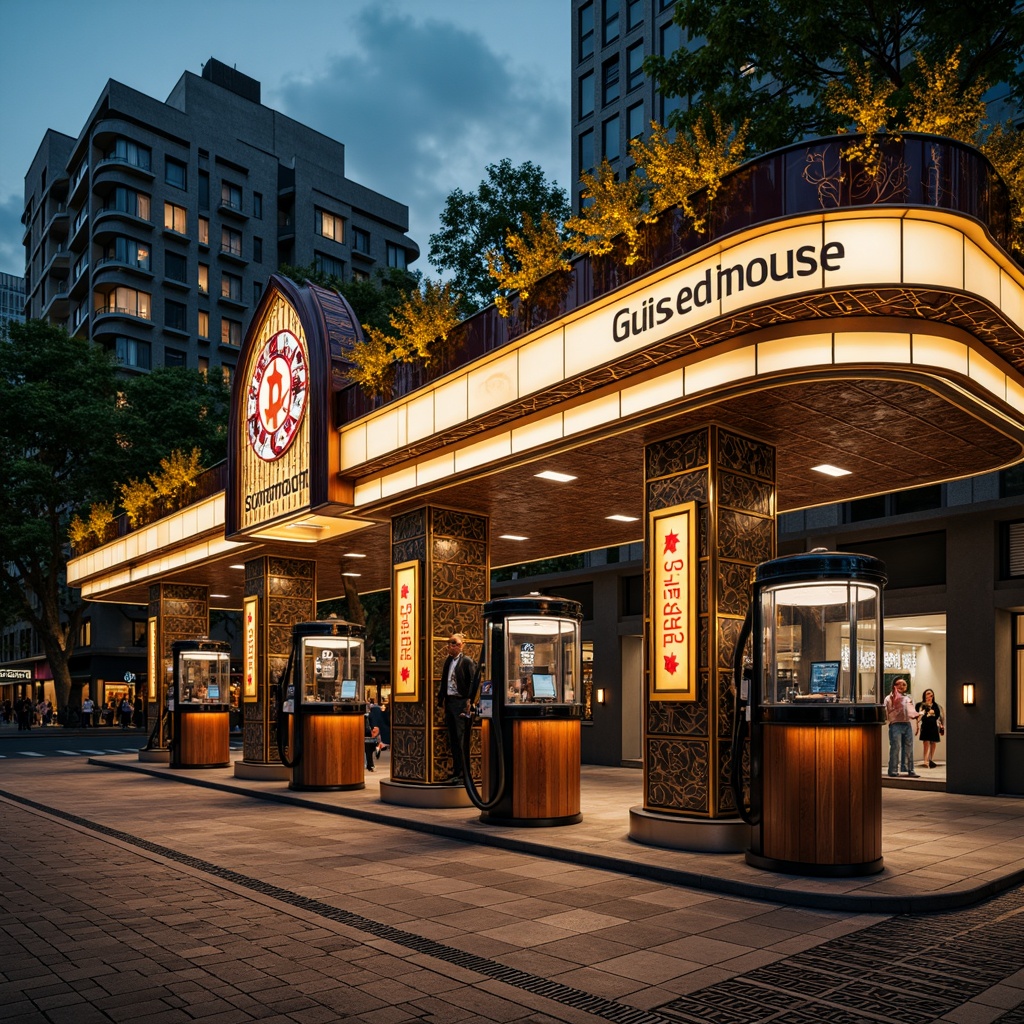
(154, 231)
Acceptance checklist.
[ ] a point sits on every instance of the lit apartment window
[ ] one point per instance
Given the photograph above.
(635, 66)
(231, 287)
(204, 365)
(396, 256)
(127, 251)
(174, 218)
(175, 267)
(610, 138)
(85, 634)
(204, 324)
(329, 225)
(175, 173)
(227, 372)
(611, 21)
(361, 241)
(586, 27)
(587, 94)
(128, 301)
(204, 230)
(610, 80)
(174, 315)
(204, 279)
(127, 152)
(230, 332)
(132, 353)
(328, 265)
(231, 241)
(230, 196)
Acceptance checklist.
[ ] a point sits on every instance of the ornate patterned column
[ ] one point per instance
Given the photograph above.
(452, 552)
(278, 593)
(176, 612)
(730, 479)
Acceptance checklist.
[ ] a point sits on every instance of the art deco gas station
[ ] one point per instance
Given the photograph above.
(687, 405)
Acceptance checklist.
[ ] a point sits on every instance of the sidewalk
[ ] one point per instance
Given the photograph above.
(941, 851)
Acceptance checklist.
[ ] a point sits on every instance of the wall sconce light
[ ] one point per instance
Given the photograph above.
(968, 693)
(600, 695)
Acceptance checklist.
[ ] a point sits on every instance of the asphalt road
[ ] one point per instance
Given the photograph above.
(58, 742)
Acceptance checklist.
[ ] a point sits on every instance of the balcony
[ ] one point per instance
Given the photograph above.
(232, 208)
(129, 169)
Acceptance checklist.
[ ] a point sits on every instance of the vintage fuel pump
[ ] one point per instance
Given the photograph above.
(808, 714)
(321, 706)
(531, 710)
(199, 704)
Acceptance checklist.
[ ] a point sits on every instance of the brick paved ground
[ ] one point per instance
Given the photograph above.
(133, 899)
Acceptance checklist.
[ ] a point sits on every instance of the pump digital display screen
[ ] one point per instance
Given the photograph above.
(348, 689)
(543, 687)
(213, 691)
(824, 676)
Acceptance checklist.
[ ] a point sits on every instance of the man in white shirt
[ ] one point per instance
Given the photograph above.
(87, 708)
(900, 712)
(455, 695)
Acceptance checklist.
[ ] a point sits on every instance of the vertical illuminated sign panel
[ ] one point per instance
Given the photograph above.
(152, 656)
(250, 619)
(673, 608)
(405, 632)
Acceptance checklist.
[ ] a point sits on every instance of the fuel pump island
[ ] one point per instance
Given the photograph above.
(531, 711)
(814, 711)
(321, 706)
(199, 704)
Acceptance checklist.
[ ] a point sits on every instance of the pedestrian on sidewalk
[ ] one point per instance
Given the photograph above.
(900, 713)
(87, 709)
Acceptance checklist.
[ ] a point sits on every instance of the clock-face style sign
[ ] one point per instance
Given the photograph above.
(276, 396)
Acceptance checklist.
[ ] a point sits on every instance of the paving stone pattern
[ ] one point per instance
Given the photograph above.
(177, 912)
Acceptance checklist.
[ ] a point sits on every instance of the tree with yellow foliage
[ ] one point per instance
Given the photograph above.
(529, 258)
(612, 209)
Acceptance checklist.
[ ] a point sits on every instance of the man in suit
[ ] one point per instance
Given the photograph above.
(455, 694)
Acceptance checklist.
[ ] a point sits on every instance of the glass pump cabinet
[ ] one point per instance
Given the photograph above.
(199, 703)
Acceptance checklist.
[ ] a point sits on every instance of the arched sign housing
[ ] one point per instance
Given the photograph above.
(283, 481)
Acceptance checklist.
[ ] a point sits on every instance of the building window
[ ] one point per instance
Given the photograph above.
(174, 218)
(329, 225)
(230, 196)
(175, 267)
(328, 265)
(175, 173)
(361, 241)
(231, 287)
(230, 332)
(204, 365)
(132, 353)
(231, 241)
(128, 301)
(587, 94)
(85, 633)
(257, 250)
(174, 357)
(918, 499)
(125, 151)
(635, 124)
(127, 251)
(204, 279)
(396, 256)
(586, 24)
(126, 200)
(204, 230)
(1018, 672)
(610, 30)
(204, 190)
(204, 324)
(610, 80)
(257, 292)
(671, 39)
(360, 275)
(174, 316)
(587, 152)
(227, 372)
(635, 66)
(257, 205)
(634, 14)
(610, 138)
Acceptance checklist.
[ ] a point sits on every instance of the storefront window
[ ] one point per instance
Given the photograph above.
(1018, 672)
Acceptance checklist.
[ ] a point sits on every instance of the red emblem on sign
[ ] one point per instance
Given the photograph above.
(276, 396)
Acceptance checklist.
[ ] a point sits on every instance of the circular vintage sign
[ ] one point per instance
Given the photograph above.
(276, 396)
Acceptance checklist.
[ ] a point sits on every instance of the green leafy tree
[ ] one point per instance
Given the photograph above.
(475, 224)
(771, 63)
(59, 452)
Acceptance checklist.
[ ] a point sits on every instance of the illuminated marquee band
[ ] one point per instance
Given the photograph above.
(720, 283)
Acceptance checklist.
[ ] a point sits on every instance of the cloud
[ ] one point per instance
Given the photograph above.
(12, 253)
(424, 107)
